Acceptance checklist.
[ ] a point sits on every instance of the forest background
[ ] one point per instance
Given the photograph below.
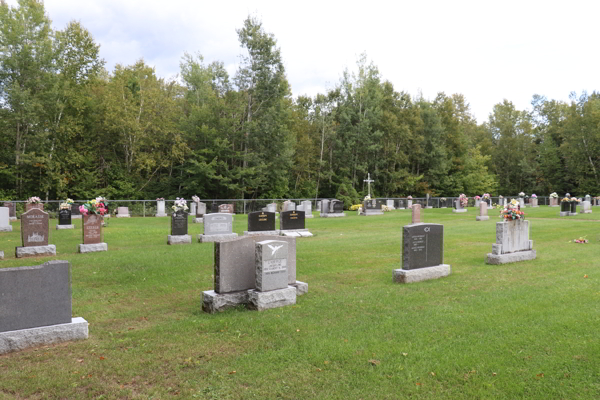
(70, 128)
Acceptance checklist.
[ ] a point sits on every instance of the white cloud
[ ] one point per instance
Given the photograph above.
(488, 51)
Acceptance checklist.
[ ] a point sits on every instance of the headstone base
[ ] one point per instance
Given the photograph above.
(213, 302)
(160, 215)
(443, 207)
(534, 206)
(79, 216)
(421, 274)
(179, 239)
(482, 218)
(581, 212)
(564, 213)
(296, 233)
(7, 228)
(462, 210)
(65, 227)
(553, 205)
(123, 216)
(217, 238)
(1, 255)
(35, 251)
(198, 220)
(572, 214)
(261, 301)
(92, 248)
(301, 288)
(260, 233)
(12, 218)
(24, 338)
(371, 212)
(308, 216)
(333, 215)
(510, 257)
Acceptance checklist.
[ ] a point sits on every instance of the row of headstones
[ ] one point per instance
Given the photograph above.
(219, 227)
(423, 247)
(35, 233)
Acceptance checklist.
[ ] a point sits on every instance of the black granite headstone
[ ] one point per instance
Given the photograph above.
(179, 223)
(64, 217)
(565, 206)
(291, 220)
(337, 206)
(261, 221)
(423, 245)
(214, 208)
(573, 207)
(75, 209)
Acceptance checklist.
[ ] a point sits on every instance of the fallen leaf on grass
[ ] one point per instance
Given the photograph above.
(541, 375)
(585, 276)
(80, 360)
(405, 354)
(432, 373)
(102, 358)
(418, 383)
(319, 370)
(375, 362)
(232, 372)
(493, 374)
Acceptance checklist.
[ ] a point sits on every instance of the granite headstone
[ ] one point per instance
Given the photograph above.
(179, 223)
(34, 228)
(423, 246)
(92, 229)
(261, 221)
(292, 220)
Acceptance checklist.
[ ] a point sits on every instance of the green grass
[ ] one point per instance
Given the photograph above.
(526, 330)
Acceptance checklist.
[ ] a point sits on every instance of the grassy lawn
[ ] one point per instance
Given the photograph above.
(527, 330)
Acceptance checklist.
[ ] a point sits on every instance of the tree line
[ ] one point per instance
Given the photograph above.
(71, 128)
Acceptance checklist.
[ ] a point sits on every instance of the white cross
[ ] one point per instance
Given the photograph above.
(369, 180)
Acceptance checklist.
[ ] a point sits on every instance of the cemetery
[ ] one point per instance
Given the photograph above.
(354, 318)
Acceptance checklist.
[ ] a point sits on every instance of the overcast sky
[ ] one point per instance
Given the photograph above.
(486, 50)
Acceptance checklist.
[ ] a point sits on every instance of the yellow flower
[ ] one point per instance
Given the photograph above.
(93, 201)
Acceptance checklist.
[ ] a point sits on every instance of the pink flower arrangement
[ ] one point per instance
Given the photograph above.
(95, 206)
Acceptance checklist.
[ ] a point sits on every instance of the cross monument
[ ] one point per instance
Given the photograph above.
(369, 180)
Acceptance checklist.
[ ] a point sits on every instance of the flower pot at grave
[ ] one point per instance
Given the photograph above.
(565, 206)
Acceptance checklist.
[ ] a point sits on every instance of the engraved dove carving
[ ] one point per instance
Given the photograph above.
(274, 248)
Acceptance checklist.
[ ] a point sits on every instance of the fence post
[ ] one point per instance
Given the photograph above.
(144, 212)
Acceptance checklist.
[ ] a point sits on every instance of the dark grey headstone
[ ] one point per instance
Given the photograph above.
(292, 220)
(75, 209)
(34, 228)
(565, 206)
(337, 206)
(214, 208)
(64, 217)
(35, 296)
(371, 205)
(423, 245)
(179, 223)
(261, 221)
(235, 264)
(92, 229)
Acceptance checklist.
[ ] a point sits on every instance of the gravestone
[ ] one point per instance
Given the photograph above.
(36, 307)
(458, 208)
(179, 229)
(307, 208)
(193, 208)
(336, 206)
(565, 208)
(586, 207)
(390, 204)
(217, 228)
(34, 235)
(214, 208)
(416, 213)
(512, 243)
(199, 212)
(261, 223)
(522, 202)
(92, 234)
(12, 213)
(123, 212)
(319, 205)
(288, 206)
(477, 202)
(31, 206)
(533, 202)
(371, 207)
(64, 219)
(235, 272)
(400, 205)
(332, 209)
(226, 208)
(271, 265)
(483, 209)
(409, 203)
(5, 225)
(553, 201)
(324, 208)
(422, 254)
(428, 202)
(271, 207)
(292, 223)
(573, 204)
(75, 213)
(160, 208)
